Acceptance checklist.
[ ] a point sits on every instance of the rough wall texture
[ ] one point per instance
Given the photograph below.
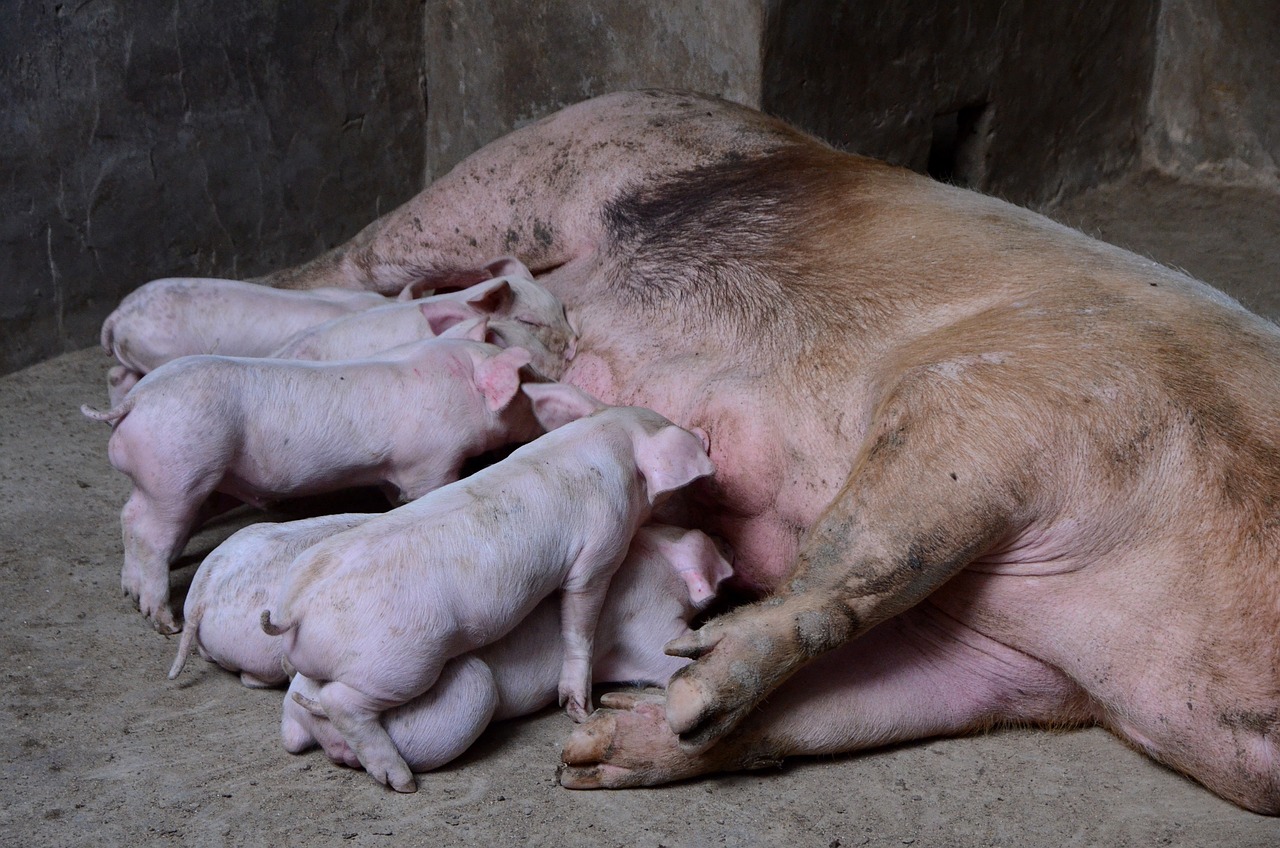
(1021, 99)
(1217, 83)
(495, 65)
(192, 139)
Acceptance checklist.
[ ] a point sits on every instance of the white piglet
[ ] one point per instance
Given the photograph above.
(181, 316)
(264, 429)
(521, 313)
(668, 576)
(221, 617)
(374, 614)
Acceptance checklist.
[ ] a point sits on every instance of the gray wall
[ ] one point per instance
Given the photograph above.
(142, 140)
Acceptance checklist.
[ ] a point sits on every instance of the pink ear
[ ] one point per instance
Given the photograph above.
(671, 459)
(508, 266)
(475, 329)
(498, 377)
(557, 404)
(441, 314)
(694, 556)
(491, 297)
(415, 290)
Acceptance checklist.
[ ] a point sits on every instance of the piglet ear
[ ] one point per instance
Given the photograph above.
(557, 404)
(475, 329)
(491, 297)
(498, 377)
(508, 266)
(671, 459)
(415, 290)
(696, 558)
(441, 313)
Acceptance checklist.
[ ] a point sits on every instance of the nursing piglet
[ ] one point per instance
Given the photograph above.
(521, 314)
(181, 316)
(264, 429)
(374, 614)
(668, 576)
(236, 580)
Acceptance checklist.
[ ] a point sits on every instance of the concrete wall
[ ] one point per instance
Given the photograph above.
(141, 140)
(495, 65)
(1213, 109)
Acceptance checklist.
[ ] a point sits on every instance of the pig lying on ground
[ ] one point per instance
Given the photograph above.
(669, 574)
(236, 580)
(180, 316)
(1020, 475)
(263, 429)
(374, 613)
(522, 314)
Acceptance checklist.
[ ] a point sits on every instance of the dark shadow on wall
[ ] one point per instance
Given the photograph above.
(1020, 99)
(140, 140)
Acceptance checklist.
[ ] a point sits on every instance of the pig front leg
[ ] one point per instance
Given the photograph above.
(933, 486)
(919, 675)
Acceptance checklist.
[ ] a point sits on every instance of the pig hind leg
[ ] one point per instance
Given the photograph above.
(919, 675)
(155, 530)
(357, 717)
(441, 724)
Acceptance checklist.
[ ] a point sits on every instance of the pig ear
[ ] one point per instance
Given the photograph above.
(498, 377)
(557, 404)
(491, 297)
(697, 560)
(671, 459)
(475, 329)
(508, 266)
(415, 290)
(443, 314)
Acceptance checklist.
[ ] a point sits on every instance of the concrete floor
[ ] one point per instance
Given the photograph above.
(101, 749)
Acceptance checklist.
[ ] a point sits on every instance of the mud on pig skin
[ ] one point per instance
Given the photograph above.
(182, 316)
(264, 429)
(480, 555)
(669, 574)
(520, 313)
(223, 609)
(931, 411)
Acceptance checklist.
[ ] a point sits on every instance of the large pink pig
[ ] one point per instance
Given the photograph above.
(181, 316)
(263, 429)
(521, 314)
(1034, 474)
(669, 574)
(222, 613)
(374, 613)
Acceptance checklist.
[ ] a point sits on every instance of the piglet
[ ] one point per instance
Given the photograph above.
(668, 576)
(235, 581)
(479, 555)
(521, 314)
(264, 429)
(181, 316)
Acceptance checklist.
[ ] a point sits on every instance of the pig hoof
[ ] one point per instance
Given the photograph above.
(695, 713)
(626, 743)
(163, 621)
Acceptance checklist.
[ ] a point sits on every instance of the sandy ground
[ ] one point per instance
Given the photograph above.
(100, 749)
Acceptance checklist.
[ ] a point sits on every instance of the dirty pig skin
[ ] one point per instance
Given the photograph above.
(980, 467)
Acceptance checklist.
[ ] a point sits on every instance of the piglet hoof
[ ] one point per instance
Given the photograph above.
(161, 617)
(626, 743)
(575, 705)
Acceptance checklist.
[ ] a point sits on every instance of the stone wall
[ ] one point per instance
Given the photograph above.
(141, 140)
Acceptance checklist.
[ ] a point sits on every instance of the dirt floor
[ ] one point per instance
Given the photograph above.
(101, 749)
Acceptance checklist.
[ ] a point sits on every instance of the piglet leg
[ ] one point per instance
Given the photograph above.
(356, 716)
(154, 534)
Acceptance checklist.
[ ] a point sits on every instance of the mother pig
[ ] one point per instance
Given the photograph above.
(992, 469)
